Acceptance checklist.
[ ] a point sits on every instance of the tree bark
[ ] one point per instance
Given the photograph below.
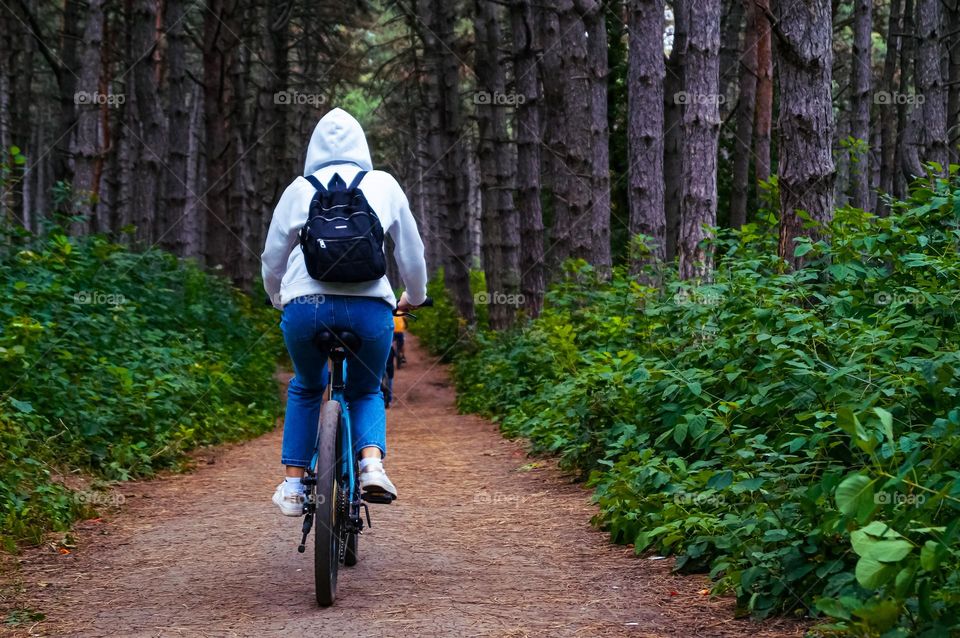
(66, 74)
(860, 76)
(501, 232)
(578, 204)
(932, 112)
(746, 103)
(150, 131)
(220, 48)
(86, 147)
(731, 30)
(595, 20)
(447, 149)
(171, 229)
(763, 120)
(885, 107)
(645, 122)
(701, 129)
(806, 170)
(525, 32)
(673, 125)
(906, 156)
(953, 75)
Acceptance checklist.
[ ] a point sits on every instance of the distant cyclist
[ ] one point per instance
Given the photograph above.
(399, 328)
(338, 166)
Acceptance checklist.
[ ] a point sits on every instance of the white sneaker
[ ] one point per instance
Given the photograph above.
(374, 479)
(289, 498)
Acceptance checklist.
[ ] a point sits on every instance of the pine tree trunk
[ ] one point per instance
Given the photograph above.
(171, 231)
(525, 32)
(743, 138)
(500, 223)
(193, 232)
(806, 171)
(150, 132)
(731, 29)
(763, 120)
(953, 93)
(570, 137)
(885, 107)
(860, 101)
(85, 146)
(220, 49)
(447, 149)
(274, 166)
(673, 144)
(66, 72)
(598, 207)
(906, 157)
(645, 122)
(701, 129)
(932, 113)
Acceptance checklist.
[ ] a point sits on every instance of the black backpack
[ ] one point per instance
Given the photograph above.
(342, 241)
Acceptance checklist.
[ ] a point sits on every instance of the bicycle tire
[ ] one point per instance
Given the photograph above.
(328, 525)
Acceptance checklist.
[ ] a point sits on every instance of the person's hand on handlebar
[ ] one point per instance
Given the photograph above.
(404, 304)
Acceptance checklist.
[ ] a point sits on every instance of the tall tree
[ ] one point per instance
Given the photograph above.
(221, 46)
(447, 147)
(953, 80)
(932, 113)
(763, 120)
(150, 131)
(595, 20)
(645, 122)
(701, 129)
(806, 170)
(500, 222)
(746, 104)
(525, 32)
(673, 148)
(173, 228)
(906, 158)
(860, 76)
(885, 107)
(574, 132)
(86, 148)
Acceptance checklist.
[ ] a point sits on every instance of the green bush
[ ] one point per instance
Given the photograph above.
(796, 434)
(116, 363)
(442, 330)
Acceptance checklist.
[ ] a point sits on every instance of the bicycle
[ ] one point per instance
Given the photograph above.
(331, 489)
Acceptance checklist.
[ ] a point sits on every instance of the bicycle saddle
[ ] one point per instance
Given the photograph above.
(329, 339)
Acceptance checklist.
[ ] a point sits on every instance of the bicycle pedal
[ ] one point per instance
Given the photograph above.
(380, 498)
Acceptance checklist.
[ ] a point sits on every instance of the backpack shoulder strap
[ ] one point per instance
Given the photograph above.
(356, 180)
(315, 183)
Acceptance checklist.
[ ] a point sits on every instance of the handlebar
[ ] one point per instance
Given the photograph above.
(427, 302)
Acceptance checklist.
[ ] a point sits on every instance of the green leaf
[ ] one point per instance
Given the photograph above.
(886, 420)
(21, 406)
(931, 554)
(855, 497)
(872, 574)
(833, 607)
(680, 432)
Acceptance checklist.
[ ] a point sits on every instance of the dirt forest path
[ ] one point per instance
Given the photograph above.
(482, 542)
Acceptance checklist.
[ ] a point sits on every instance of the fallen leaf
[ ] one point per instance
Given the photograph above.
(63, 550)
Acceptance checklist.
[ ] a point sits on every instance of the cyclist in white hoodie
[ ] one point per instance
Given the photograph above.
(338, 146)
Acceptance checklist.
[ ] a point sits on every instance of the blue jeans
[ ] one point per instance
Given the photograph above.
(371, 320)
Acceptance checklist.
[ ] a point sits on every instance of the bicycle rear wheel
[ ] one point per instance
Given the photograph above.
(329, 523)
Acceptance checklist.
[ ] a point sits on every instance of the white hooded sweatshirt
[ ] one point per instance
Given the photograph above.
(338, 145)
